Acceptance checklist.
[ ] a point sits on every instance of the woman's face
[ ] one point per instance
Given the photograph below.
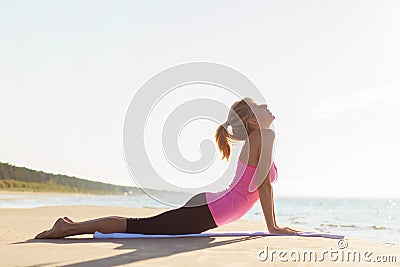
(262, 113)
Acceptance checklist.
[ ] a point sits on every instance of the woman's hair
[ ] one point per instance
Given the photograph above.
(238, 115)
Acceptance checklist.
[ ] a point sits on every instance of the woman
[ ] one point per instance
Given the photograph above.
(250, 123)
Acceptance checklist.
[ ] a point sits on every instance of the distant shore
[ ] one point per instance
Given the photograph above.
(3, 192)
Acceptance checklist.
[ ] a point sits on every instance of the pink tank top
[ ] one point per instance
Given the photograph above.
(233, 202)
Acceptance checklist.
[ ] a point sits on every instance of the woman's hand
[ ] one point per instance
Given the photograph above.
(283, 230)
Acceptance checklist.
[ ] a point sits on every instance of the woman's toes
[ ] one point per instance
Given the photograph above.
(68, 219)
(40, 235)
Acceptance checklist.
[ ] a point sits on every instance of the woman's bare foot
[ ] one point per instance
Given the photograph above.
(59, 230)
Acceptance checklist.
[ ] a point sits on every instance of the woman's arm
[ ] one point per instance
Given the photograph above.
(265, 140)
(265, 193)
(265, 190)
(273, 206)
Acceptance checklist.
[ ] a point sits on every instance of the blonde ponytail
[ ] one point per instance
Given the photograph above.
(223, 140)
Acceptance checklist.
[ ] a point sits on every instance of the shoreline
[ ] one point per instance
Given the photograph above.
(42, 193)
(52, 193)
(5, 192)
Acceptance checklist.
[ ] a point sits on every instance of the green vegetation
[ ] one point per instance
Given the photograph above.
(14, 178)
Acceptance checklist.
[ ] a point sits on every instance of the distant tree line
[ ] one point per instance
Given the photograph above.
(14, 178)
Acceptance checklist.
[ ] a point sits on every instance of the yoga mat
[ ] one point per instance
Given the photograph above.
(129, 235)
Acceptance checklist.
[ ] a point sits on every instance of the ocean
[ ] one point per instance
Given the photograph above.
(364, 218)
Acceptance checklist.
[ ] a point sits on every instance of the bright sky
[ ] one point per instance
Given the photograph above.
(328, 69)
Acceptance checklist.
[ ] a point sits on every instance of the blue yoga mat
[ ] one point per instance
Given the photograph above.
(210, 234)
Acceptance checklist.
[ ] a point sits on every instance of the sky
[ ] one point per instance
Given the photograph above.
(329, 71)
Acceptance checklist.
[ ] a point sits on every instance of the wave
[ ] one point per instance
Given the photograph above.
(338, 225)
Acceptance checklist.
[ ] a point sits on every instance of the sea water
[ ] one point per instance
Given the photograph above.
(364, 218)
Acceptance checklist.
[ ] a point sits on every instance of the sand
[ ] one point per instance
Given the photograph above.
(18, 248)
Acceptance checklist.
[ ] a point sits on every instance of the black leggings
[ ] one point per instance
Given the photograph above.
(188, 219)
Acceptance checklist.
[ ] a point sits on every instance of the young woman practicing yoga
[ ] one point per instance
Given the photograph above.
(255, 172)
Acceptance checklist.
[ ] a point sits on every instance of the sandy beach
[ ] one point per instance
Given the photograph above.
(19, 226)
